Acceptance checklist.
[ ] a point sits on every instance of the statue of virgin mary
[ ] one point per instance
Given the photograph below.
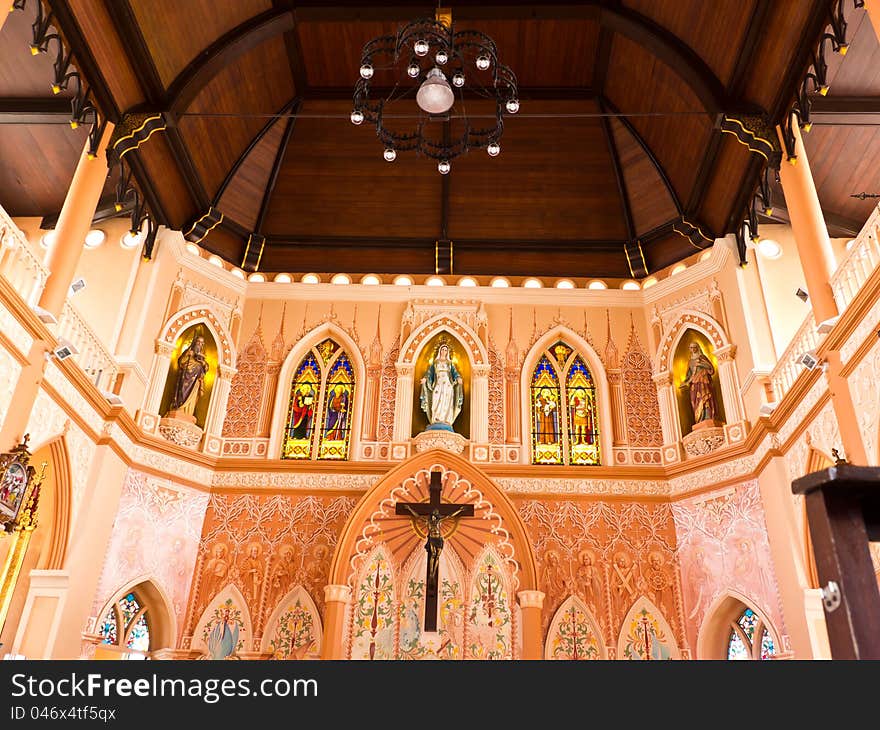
(442, 391)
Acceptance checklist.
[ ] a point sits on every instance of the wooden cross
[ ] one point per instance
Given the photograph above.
(434, 514)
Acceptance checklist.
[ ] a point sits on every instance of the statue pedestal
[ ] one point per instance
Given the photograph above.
(180, 429)
(437, 439)
(702, 425)
(703, 440)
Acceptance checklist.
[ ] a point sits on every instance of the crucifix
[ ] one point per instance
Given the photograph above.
(434, 515)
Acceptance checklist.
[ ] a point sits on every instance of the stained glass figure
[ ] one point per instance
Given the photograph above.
(338, 400)
(304, 394)
(583, 435)
(545, 397)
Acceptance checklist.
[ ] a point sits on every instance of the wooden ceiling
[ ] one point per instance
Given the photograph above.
(617, 139)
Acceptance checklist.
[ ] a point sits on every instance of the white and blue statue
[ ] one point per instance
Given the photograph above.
(442, 391)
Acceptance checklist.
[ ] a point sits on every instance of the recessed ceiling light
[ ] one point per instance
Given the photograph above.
(237, 273)
(95, 238)
(341, 279)
(630, 286)
(371, 280)
(256, 277)
(850, 243)
(649, 282)
(193, 249)
(597, 284)
(499, 282)
(216, 260)
(769, 249)
(533, 283)
(565, 284)
(677, 269)
(707, 254)
(403, 281)
(467, 281)
(283, 278)
(435, 281)
(130, 239)
(311, 279)
(48, 238)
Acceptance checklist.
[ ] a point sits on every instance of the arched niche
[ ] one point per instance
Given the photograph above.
(646, 634)
(324, 331)
(224, 629)
(680, 361)
(374, 608)
(574, 633)
(597, 371)
(714, 635)
(185, 342)
(461, 359)
(293, 630)
(410, 366)
(159, 614)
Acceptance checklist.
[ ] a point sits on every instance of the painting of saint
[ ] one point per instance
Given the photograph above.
(12, 488)
(547, 417)
(302, 409)
(581, 417)
(336, 423)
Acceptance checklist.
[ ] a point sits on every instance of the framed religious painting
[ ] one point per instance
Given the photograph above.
(15, 478)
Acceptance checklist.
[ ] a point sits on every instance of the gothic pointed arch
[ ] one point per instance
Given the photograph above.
(373, 612)
(294, 629)
(736, 627)
(204, 315)
(345, 347)
(491, 619)
(688, 319)
(646, 634)
(224, 629)
(138, 617)
(574, 633)
(472, 344)
(578, 348)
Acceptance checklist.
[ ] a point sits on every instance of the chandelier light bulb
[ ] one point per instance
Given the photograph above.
(413, 70)
(494, 149)
(357, 117)
(513, 106)
(434, 95)
(441, 57)
(444, 167)
(483, 62)
(458, 79)
(421, 47)
(366, 71)
(390, 154)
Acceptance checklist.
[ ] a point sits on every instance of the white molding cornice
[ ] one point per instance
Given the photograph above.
(176, 245)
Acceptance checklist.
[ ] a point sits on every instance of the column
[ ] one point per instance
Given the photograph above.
(513, 405)
(810, 232)
(748, 279)
(371, 401)
(817, 260)
(480, 405)
(729, 382)
(336, 600)
(403, 402)
(531, 603)
(666, 399)
(132, 328)
(267, 402)
(618, 414)
(873, 9)
(156, 385)
(74, 222)
(219, 399)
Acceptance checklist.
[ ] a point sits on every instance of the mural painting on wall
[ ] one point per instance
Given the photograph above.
(295, 633)
(442, 387)
(645, 635)
(573, 633)
(564, 418)
(695, 371)
(191, 376)
(722, 546)
(608, 556)
(320, 406)
(265, 546)
(223, 634)
(373, 616)
(489, 625)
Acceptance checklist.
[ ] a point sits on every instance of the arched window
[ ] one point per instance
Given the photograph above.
(126, 626)
(565, 422)
(320, 409)
(749, 638)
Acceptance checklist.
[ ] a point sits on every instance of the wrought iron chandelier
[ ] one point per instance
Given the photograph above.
(440, 61)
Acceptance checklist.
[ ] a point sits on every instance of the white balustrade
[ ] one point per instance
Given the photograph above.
(18, 263)
(93, 357)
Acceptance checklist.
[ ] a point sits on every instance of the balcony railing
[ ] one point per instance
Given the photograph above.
(851, 275)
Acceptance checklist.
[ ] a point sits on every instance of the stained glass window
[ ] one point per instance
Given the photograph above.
(546, 435)
(564, 416)
(749, 638)
(338, 401)
(319, 416)
(126, 625)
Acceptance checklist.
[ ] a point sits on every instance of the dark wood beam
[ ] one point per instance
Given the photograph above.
(105, 211)
(52, 110)
(136, 48)
(182, 157)
(526, 93)
(618, 176)
(294, 50)
(602, 59)
(609, 105)
(223, 52)
(845, 111)
(707, 166)
(745, 59)
(838, 226)
(276, 167)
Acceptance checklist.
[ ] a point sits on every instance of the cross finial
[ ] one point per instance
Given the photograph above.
(838, 459)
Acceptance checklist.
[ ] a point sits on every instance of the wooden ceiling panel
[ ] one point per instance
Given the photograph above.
(108, 52)
(845, 161)
(664, 109)
(176, 31)
(21, 73)
(355, 258)
(730, 167)
(331, 51)
(554, 179)
(334, 182)
(244, 194)
(666, 250)
(259, 84)
(702, 25)
(36, 184)
(776, 50)
(158, 161)
(858, 72)
(541, 261)
(224, 243)
(650, 203)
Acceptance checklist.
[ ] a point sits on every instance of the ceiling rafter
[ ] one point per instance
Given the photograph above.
(38, 110)
(618, 176)
(276, 168)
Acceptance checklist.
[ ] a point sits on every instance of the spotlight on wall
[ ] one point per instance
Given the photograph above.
(44, 316)
(825, 326)
(802, 295)
(768, 408)
(112, 398)
(65, 349)
(78, 285)
(809, 360)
